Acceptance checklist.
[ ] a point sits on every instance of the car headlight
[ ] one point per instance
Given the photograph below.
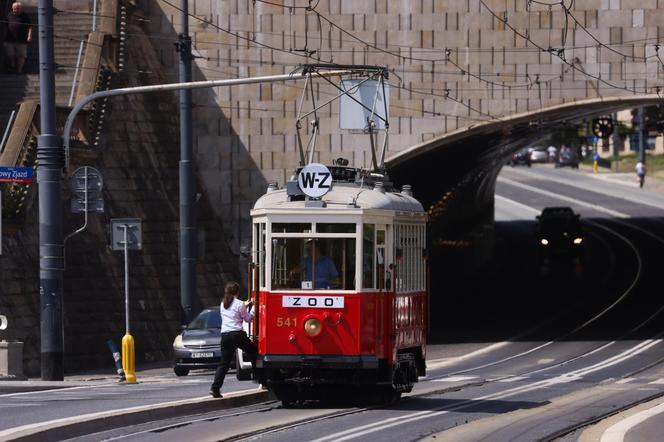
(177, 343)
(544, 242)
(578, 241)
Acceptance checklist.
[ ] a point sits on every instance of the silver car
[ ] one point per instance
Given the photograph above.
(538, 156)
(199, 346)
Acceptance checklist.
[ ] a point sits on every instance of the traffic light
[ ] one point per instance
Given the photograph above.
(602, 127)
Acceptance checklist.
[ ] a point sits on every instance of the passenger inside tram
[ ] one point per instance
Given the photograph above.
(317, 262)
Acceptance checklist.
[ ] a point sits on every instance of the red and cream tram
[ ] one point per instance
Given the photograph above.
(340, 280)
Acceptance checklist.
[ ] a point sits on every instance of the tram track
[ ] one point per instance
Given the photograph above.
(609, 361)
(504, 393)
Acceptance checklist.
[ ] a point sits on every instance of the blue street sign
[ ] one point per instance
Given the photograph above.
(16, 174)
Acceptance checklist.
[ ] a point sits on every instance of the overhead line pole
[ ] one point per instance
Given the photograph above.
(188, 237)
(49, 179)
(179, 86)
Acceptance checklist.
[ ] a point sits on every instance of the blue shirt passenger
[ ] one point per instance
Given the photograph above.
(326, 272)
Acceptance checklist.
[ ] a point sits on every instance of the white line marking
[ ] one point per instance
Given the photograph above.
(564, 198)
(444, 362)
(625, 381)
(571, 376)
(617, 432)
(514, 379)
(606, 178)
(518, 204)
(455, 379)
(16, 432)
(659, 381)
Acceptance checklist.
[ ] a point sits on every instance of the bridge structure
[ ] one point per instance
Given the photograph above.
(471, 81)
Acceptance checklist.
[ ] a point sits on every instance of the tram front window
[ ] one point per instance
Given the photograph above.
(313, 264)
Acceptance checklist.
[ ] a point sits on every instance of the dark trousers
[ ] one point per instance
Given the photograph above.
(230, 342)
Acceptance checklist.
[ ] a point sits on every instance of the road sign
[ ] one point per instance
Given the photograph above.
(134, 235)
(86, 186)
(86, 178)
(16, 174)
(363, 97)
(315, 180)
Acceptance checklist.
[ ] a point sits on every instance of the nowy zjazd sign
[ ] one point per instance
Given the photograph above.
(16, 174)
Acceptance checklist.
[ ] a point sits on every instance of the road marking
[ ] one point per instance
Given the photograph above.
(517, 204)
(625, 381)
(444, 362)
(659, 381)
(564, 198)
(455, 379)
(24, 404)
(514, 379)
(617, 432)
(630, 198)
(571, 376)
(14, 432)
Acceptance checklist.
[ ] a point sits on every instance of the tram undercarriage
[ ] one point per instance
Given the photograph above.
(344, 379)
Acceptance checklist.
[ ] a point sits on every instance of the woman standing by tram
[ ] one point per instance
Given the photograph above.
(233, 313)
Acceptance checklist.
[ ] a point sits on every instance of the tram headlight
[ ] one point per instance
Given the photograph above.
(313, 327)
(544, 242)
(578, 241)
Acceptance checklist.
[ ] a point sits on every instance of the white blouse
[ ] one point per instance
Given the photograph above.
(232, 317)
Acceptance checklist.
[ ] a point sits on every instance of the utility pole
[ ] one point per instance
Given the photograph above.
(642, 135)
(50, 155)
(188, 252)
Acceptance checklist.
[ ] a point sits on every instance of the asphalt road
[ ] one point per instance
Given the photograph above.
(518, 353)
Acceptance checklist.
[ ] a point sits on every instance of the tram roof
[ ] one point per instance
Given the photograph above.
(344, 196)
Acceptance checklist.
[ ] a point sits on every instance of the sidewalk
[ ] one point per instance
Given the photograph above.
(146, 373)
(653, 184)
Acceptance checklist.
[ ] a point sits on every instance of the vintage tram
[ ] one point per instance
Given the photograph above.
(340, 281)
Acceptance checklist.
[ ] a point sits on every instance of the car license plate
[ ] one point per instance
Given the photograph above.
(313, 301)
(202, 355)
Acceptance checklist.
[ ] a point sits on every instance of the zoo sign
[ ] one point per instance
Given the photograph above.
(315, 180)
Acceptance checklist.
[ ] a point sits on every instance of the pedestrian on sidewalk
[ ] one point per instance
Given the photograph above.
(19, 34)
(596, 162)
(640, 169)
(233, 313)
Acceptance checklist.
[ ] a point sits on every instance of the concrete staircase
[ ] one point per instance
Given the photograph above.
(69, 30)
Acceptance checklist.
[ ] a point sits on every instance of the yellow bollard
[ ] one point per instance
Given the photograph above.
(129, 359)
(595, 166)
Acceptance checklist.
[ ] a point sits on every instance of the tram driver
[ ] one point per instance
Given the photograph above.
(326, 274)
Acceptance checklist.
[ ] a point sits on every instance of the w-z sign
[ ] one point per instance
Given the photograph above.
(315, 180)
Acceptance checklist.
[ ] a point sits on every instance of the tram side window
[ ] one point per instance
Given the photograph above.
(368, 233)
(259, 252)
(409, 242)
(380, 259)
(313, 263)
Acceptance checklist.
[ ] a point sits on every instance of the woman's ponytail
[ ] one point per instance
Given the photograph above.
(231, 291)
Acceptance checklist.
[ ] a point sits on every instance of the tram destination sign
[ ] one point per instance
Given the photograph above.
(16, 174)
(315, 180)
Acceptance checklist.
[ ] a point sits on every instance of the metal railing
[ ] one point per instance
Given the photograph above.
(7, 129)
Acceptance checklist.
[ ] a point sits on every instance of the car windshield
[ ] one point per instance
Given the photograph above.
(206, 319)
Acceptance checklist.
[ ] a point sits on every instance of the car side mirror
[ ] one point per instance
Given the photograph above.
(183, 327)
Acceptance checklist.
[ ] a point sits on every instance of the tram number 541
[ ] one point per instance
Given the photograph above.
(315, 180)
(313, 301)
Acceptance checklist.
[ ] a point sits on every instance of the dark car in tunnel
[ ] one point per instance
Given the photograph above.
(568, 158)
(520, 157)
(560, 236)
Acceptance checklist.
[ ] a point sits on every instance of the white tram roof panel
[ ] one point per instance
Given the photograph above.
(341, 196)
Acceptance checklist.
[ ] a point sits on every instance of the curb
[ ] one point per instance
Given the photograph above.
(70, 427)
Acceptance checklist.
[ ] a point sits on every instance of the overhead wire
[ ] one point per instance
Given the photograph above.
(558, 53)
